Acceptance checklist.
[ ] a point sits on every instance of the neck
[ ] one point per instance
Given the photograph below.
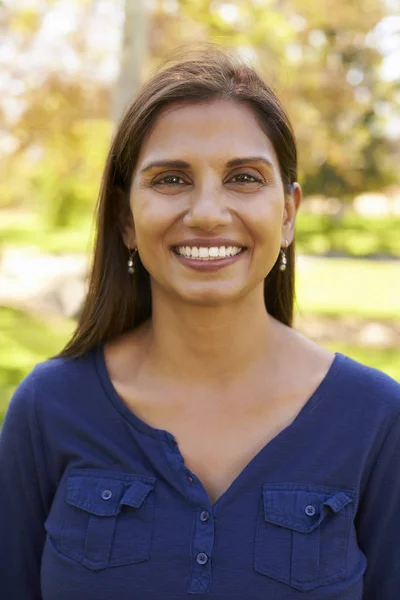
(212, 346)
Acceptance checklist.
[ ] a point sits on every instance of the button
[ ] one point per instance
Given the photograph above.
(190, 479)
(310, 510)
(204, 516)
(202, 558)
(106, 494)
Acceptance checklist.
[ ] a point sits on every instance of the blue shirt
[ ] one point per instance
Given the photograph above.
(95, 504)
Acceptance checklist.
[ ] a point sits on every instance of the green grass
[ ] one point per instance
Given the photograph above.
(354, 287)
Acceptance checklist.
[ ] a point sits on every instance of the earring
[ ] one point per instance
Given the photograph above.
(282, 266)
(131, 266)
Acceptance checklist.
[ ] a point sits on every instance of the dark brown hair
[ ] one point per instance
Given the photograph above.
(117, 302)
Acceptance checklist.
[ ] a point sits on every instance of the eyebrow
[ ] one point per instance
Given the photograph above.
(181, 164)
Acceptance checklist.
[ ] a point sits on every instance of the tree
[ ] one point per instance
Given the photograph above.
(133, 54)
(319, 58)
(54, 110)
(59, 87)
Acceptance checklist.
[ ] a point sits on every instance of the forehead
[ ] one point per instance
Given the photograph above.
(215, 129)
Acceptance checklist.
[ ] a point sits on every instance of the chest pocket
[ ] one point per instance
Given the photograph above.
(103, 519)
(302, 534)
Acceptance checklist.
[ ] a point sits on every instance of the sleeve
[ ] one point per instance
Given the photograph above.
(24, 497)
(378, 522)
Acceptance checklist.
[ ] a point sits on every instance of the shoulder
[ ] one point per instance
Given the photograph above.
(369, 380)
(361, 387)
(53, 381)
(54, 370)
(367, 388)
(55, 374)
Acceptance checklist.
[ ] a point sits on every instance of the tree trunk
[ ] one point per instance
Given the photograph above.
(133, 55)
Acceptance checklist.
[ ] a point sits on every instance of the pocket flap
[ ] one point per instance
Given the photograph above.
(104, 494)
(301, 507)
(136, 493)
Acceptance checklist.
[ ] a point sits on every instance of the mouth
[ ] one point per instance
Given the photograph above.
(205, 253)
(208, 258)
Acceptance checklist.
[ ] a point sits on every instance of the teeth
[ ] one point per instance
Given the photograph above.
(206, 253)
(203, 252)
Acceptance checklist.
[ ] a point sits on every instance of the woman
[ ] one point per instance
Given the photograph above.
(188, 441)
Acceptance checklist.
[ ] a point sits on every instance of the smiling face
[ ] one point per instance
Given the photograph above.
(208, 176)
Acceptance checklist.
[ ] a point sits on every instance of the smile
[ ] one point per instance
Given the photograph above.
(205, 253)
(208, 259)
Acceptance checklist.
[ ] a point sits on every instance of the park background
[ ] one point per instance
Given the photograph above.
(68, 68)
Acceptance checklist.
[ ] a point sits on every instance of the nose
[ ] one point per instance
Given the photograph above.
(207, 209)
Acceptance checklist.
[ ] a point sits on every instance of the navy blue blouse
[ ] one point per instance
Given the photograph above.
(97, 505)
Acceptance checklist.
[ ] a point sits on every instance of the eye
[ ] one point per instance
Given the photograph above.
(246, 178)
(169, 180)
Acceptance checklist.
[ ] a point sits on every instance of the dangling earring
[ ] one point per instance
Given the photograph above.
(131, 266)
(282, 266)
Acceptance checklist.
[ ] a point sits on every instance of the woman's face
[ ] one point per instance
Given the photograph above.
(207, 176)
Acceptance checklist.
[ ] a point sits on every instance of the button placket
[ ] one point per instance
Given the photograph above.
(202, 558)
(202, 548)
(202, 542)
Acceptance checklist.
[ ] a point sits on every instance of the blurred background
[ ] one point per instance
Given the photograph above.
(68, 68)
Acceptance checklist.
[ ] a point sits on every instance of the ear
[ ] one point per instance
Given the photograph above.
(125, 218)
(292, 205)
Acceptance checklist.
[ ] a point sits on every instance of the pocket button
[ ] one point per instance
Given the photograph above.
(310, 510)
(106, 494)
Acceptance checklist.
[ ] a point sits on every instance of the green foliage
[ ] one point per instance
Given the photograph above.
(350, 235)
(318, 56)
(324, 67)
(61, 180)
(68, 177)
(19, 228)
(25, 341)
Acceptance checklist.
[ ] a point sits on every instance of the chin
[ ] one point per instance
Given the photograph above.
(210, 297)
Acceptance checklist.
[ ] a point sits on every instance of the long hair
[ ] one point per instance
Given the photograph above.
(117, 302)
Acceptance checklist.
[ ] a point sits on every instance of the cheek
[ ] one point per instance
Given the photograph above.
(153, 218)
(148, 213)
(265, 221)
